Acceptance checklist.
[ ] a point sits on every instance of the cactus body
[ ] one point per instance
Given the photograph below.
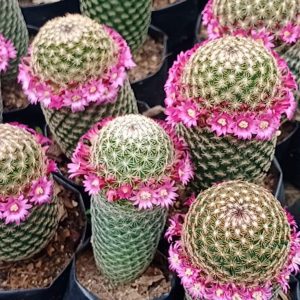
(23, 165)
(225, 96)
(132, 166)
(124, 238)
(236, 240)
(68, 127)
(13, 27)
(218, 159)
(129, 17)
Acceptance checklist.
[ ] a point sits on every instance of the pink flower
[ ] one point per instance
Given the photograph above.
(76, 101)
(220, 123)
(197, 290)
(207, 14)
(263, 293)
(188, 274)
(93, 91)
(185, 170)
(264, 36)
(189, 114)
(16, 210)
(289, 33)
(266, 125)
(93, 184)
(41, 191)
(24, 77)
(51, 167)
(7, 52)
(175, 227)
(111, 195)
(173, 115)
(166, 194)
(290, 111)
(174, 257)
(213, 30)
(243, 126)
(124, 191)
(144, 198)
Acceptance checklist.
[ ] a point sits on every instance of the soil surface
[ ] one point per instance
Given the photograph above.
(159, 4)
(13, 97)
(148, 59)
(44, 267)
(152, 284)
(25, 3)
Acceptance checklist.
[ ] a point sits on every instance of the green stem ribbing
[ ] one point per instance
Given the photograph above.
(31, 236)
(124, 239)
(131, 18)
(68, 127)
(217, 159)
(13, 27)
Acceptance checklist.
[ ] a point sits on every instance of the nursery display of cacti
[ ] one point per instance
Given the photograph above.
(132, 166)
(273, 21)
(76, 69)
(236, 242)
(227, 97)
(177, 204)
(28, 210)
(130, 18)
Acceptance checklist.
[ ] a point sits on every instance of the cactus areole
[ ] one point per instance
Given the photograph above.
(25, 180)
(75, 62)
(132, 157)
(236, 242)
(231, 86)
(276, 21)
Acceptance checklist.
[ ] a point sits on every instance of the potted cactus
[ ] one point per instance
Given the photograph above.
(227, 97)
(132, 166)
(28, 211)
(77, 70)
(236, 242)
(276, 21)
(130, 18)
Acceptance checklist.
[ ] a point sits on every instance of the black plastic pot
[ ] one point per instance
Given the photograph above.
(151, 88)
(39, 14)
(57, 289)
(282, 148)
(32, 114)
(76, 291)
(178, 21)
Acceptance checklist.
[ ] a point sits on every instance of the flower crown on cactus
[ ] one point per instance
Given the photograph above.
(132, 157)
(231, 85)
(236, 242)
(75, 62)
(25, 180)
(278, 19)
(7, 52)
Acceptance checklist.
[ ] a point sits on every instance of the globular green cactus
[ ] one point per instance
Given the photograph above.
(226, 96)
(77, 70)
(28, 209)
(130, 18)
(134, 168)
(236, 240)
(13, 28)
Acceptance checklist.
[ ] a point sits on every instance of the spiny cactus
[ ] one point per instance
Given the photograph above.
(228, 95)
(278, 19)
(28, 209)
(130, 18)
(77, 70)
(13, 28)
(132, 167)
(236, 242)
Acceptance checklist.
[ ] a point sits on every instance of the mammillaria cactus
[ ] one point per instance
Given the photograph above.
(130, 18)
(278, 19)
(133, 167)
(228, 95)
(77, 70)
(13, 29)
(28, 210)
(236, 242)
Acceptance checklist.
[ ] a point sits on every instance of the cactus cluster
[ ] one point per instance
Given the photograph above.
(236, 240)
(130, 18)
(278, 20)
(77, 70)
(28, 209)
(13, 28)
(132, 166)
(228, 94)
